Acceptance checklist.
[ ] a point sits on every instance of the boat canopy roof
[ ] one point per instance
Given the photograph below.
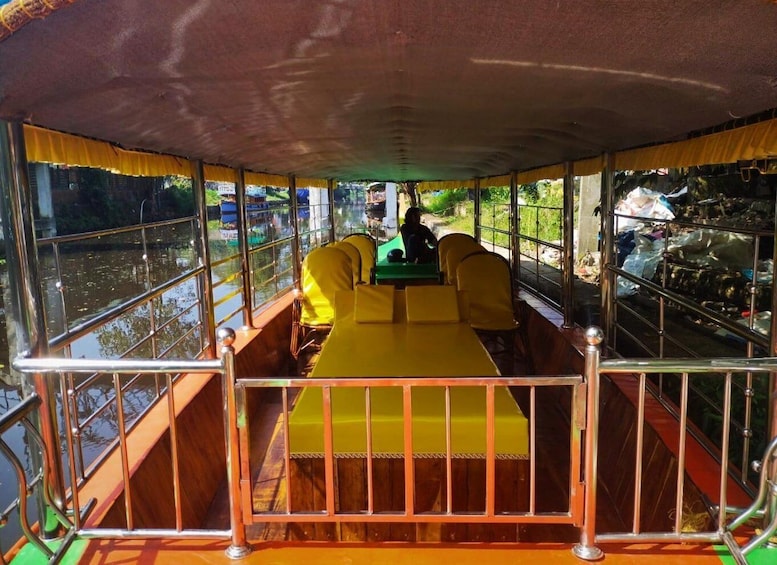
(377, 90)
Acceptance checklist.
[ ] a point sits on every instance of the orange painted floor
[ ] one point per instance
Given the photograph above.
(210, 552)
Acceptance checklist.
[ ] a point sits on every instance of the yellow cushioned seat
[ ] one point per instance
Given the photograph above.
(432, 305)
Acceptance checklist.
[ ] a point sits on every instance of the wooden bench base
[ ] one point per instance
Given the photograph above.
(307, 491)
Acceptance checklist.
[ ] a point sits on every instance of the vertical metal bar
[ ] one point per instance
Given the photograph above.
(772, 392)
(448, 454)
(533, 450)
(568, 257)
(681, 454)
(26, 308)
(71, 456)
(242, 238)
(329, 464)
(724, 446)
(407, 418)
(286, 447)
(174, 452)
(123, 451)
(636, 525)
(607, 247)
(515, 222)
(208, 314)
(296, 252)
(661, 299)
(330, 193)
(75, 427)
(490, 451)
(586, 548)
(368, 416)
(478, 211)
(239, 546)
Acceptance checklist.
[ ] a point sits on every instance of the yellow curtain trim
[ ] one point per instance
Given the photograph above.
(591, 166)
(303, 182)
(219, 173)
(500, 180)
(428, 186)
(549, 172)
(749, 142)
(46, 146)
(265, 179)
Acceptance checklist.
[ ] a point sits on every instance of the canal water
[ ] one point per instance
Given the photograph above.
(96, 286)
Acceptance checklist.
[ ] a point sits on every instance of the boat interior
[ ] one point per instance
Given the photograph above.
(294, 391)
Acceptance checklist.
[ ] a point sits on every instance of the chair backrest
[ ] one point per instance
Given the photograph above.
(354, 256)
(325, 271)
(487, 280)
(367, 249)
(454, 256)
(446, 243)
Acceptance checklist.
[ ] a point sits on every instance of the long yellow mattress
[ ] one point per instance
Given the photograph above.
(407, 350)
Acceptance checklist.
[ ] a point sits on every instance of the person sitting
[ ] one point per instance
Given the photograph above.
(420, 243)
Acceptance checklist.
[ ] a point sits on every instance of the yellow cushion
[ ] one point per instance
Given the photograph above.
(374, 304)
(432, 305)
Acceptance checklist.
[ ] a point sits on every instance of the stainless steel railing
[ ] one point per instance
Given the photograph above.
(119, 369)
(541, 276)
(331, 512)
(764, 505)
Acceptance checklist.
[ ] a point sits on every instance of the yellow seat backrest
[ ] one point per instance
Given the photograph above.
(455, 255)
(366, 246)
(325, 271)
(354, 256)
(486, 279)
(446, 243)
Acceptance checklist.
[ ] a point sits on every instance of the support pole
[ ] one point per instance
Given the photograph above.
(586, 548)
(243, 227)
(330, 193)
(239, 547)
(25, 311)
(514, 225)
(206, 284)
(476, 218)
(296, 251)
(607, 248)
(567, 274)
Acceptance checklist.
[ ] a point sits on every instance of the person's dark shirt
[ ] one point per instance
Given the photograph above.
(417, 239)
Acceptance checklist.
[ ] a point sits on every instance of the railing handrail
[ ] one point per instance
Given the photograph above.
(120, 366)
(72, 238)
(689, 365)
(736, 329)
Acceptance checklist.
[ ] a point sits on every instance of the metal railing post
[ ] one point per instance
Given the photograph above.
(242, 235)
(568, 257)
(586, 548)
(208, 313)
(476, 215)
(607, 248)
(515, 255)
(330, 194)
(26, 308)
(239, 547)
(295, 250)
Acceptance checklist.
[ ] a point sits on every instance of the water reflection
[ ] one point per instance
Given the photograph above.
(83, 279)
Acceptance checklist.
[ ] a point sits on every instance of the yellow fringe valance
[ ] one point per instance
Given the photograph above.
(46, 146)
(534, 175)
(756, 141)
(266, 179)
(428, 186)
(303, 182)
(500, 180)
